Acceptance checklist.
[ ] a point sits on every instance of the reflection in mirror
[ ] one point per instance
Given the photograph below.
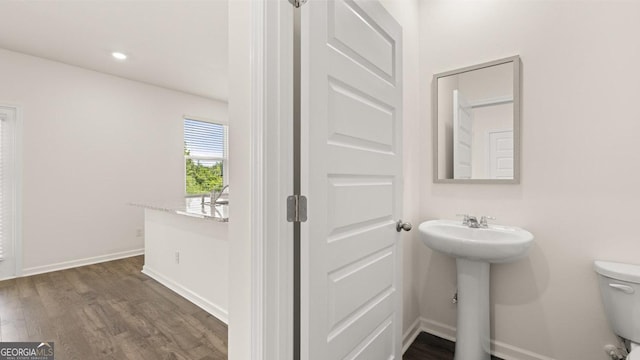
(477, 123)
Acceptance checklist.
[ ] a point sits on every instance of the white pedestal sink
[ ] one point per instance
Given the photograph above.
(474, 249)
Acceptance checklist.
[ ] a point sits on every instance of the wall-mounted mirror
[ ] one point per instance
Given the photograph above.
(476, 119)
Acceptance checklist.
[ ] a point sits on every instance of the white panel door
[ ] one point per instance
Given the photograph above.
(351, 172)
(462, 136)
(501, 154)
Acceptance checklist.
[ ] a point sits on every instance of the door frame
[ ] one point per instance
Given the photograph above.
(487, 149)
(17, 188)
(272, 100)
(272, 328)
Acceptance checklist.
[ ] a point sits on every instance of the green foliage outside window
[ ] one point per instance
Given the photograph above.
(202, 178)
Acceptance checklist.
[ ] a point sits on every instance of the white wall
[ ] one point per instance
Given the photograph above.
(200, 273)
(92, 143)
(579, 190)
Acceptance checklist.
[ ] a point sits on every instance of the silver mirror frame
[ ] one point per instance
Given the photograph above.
(517, 100)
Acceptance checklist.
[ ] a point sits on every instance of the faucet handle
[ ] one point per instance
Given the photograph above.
(483, 220)
(465, 218)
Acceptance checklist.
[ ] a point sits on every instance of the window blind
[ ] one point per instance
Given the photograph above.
(204, 139)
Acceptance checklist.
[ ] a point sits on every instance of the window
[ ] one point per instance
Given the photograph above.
(205, 153)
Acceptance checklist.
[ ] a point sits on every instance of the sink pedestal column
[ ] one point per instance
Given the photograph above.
(473, 328)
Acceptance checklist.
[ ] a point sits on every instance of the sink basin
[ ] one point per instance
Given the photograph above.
(495, 244)
(474, 249)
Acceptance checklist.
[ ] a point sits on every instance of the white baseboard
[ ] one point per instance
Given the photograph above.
(499, 349)
(438, 329)
(410, 335)
(508, 352)
(80, 262)
(198, 300)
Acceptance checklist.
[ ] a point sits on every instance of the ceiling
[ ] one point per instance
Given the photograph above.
(180, 45)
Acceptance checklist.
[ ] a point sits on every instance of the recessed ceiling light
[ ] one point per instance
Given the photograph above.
(119, 55)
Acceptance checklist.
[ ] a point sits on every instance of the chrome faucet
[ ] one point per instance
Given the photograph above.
(469, 220)
(472, 221)
(215, 196)
(483, 221)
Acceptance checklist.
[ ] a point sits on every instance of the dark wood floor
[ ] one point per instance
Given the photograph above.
(108, 311)
(430, 347)
(112, 311)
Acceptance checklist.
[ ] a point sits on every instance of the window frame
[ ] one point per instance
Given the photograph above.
(224, 159)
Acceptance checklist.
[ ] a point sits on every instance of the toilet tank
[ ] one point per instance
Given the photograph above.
(620, 289)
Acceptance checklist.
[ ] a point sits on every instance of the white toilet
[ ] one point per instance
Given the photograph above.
(620, 289)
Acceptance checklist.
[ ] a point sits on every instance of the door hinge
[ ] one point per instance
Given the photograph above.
(297, 3)
(296, 208)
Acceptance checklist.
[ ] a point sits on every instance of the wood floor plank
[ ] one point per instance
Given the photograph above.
(70, 341)
(12, 321)
(38, 323)
(113, 311)
(73, 277)
(217, 337)
(25, 286)
(431, 347)
(13, 330)
(108, 311)
(136, 348)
